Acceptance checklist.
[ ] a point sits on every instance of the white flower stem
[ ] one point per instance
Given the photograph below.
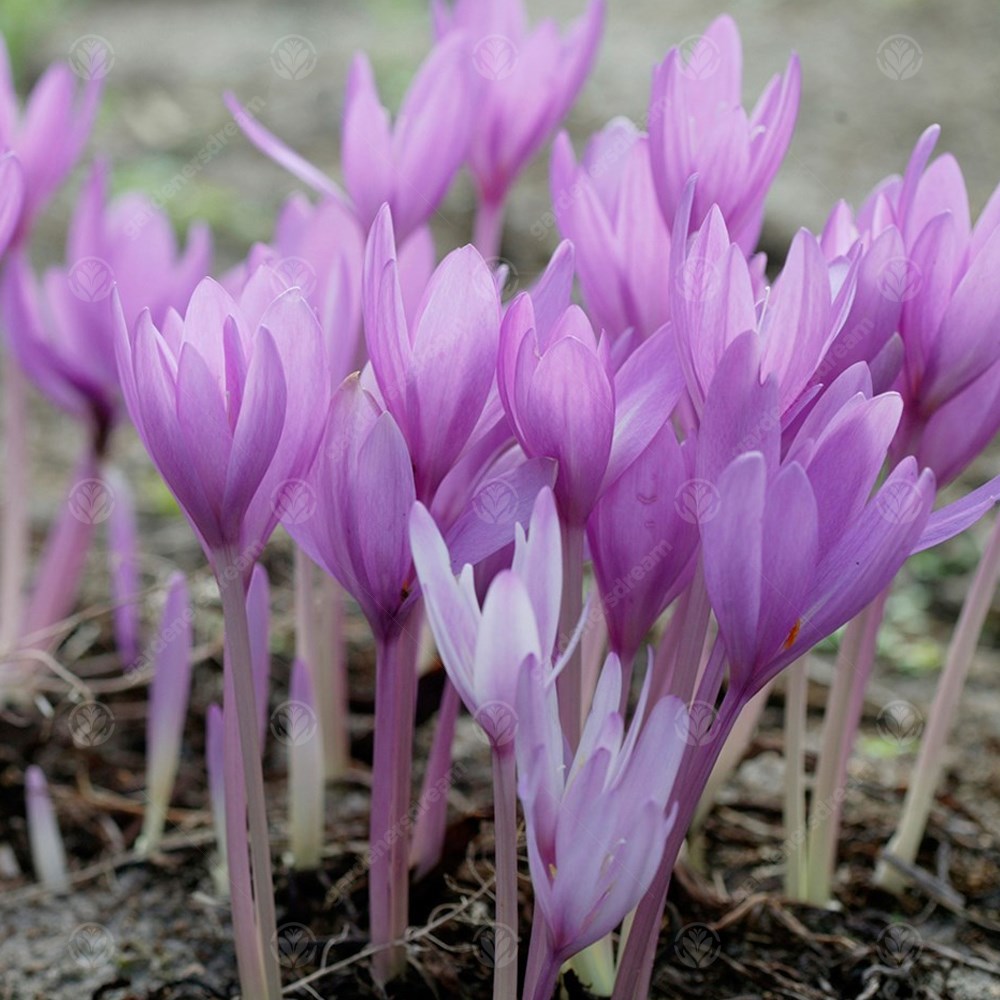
(931, 758)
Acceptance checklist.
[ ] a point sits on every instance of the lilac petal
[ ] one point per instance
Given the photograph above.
(869, 555)
(740, 413)
(934, 258)
(385, 487)
(203, 425)
(270, 145)
(967, 343)
(538, 562)
(733, 558)
(790, 550)
(796, 325)
(366, 143)
(453, 360)
(451, 610)
(647, 388)
(914, 170)
(11, 197)
(503, 499)
(432, 132)
(386, 329)
(954, 518)
(552, 293)
(508, 635)
(570, 416)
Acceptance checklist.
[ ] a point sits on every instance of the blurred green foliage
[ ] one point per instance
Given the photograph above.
(23, 23)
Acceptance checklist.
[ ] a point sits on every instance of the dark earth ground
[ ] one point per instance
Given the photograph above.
(157, 930)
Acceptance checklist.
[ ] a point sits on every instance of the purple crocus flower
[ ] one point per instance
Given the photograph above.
(949, 308)
(63, 339)
(47, 135)
(697, 125)
(597, 821)
(434, 371)
(226, 401)
(408, 164)
(642, 542)
(565, 403)
(11, 197)
(712, 302)
(869, 332)
(525, 81)
(799, 546)
(607, 206)
(363, 482)
(483, 647)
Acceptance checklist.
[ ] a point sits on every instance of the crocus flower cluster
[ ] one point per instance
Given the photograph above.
(618, 515)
